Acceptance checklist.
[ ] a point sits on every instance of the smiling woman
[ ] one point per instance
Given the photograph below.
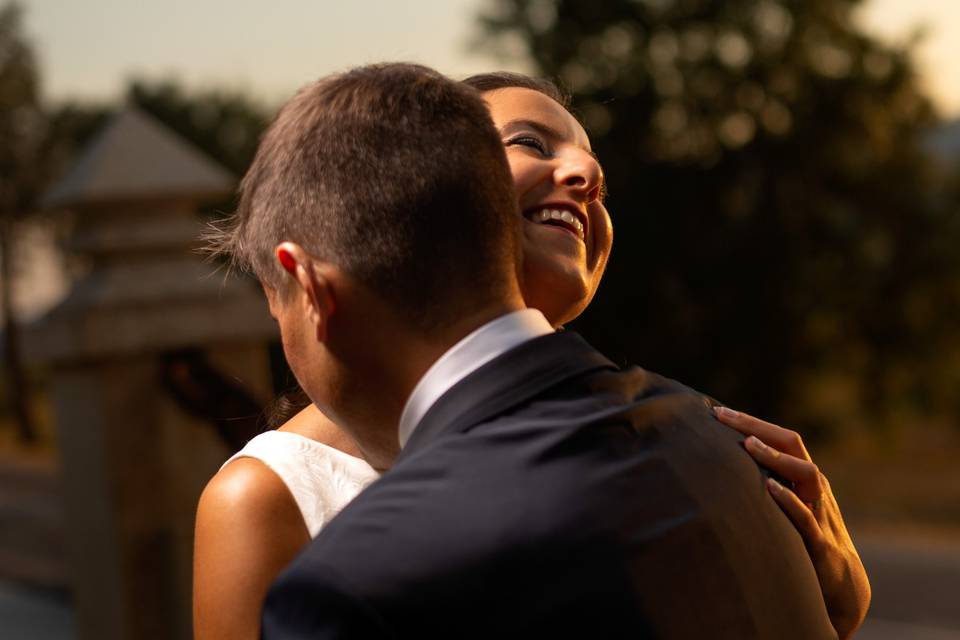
(559, 185)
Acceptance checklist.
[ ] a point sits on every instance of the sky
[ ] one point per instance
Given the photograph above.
(89, 49)
(939, 52)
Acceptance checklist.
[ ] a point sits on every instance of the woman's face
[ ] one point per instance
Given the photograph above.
(559, 183)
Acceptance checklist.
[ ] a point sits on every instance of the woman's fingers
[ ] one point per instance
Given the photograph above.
(799, 513)
(812, 509)
(782, 439)
(804, 474)
(780, 450)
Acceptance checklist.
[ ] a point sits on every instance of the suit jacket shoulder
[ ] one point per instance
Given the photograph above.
(553, 493)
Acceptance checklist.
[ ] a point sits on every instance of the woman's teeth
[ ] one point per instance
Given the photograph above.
(547, 215)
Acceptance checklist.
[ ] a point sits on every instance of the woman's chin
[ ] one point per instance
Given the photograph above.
(560, 295)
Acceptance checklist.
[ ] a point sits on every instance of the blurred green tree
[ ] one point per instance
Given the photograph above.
(36, 143)
(22, 130)
(778, 242)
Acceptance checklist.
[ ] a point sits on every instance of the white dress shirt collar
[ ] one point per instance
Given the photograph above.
(480, 347)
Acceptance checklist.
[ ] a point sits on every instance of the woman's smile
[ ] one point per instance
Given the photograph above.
(559, 183)
(565, 217)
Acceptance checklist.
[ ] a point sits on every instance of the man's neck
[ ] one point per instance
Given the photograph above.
(393, 361)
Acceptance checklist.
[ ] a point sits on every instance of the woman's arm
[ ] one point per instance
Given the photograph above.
(248, 529)
(814, 512)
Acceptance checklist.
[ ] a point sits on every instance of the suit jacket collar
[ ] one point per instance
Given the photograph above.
(480, 347)
(505, 382)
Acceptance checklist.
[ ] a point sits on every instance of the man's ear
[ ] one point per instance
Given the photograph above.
(310, 279)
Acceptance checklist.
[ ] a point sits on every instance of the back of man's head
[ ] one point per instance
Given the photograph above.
(397, 175)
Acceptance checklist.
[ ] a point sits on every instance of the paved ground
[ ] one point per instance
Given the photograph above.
(28, 614)
(916, 587)
(885, 630)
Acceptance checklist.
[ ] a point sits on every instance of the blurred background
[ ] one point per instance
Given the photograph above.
(785, 189)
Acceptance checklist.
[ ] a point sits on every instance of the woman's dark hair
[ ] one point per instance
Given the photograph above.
(484, 82)
(285, 407)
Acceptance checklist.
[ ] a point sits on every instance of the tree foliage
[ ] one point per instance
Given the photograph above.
(778, 239)
(21, 116)
(22, 130)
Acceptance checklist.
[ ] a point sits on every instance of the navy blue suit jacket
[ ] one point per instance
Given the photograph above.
(551, 494)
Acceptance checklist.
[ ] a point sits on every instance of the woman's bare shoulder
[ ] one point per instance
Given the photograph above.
(247, 491)
(248, 529)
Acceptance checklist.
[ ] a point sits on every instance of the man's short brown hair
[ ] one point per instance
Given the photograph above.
(396, 174)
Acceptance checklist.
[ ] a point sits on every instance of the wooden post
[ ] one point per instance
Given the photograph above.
(133, 461)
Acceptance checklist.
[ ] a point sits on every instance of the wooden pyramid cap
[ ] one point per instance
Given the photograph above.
(135, 158)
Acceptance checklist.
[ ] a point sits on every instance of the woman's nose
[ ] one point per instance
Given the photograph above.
(580, 172)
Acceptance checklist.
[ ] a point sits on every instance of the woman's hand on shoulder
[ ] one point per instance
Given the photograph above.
(812, 508)
(248, 529)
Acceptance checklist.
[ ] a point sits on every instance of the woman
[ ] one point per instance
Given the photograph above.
(268, 501)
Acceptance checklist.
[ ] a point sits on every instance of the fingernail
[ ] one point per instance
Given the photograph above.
(725, 412)
(774, 486)
(757, 444)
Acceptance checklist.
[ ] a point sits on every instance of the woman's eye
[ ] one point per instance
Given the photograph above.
(528, 141)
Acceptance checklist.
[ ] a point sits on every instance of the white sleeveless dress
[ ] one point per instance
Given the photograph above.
(322, 479)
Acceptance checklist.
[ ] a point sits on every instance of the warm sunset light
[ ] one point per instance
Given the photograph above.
(479, 318)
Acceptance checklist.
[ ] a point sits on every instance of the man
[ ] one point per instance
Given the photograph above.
(540, 490)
